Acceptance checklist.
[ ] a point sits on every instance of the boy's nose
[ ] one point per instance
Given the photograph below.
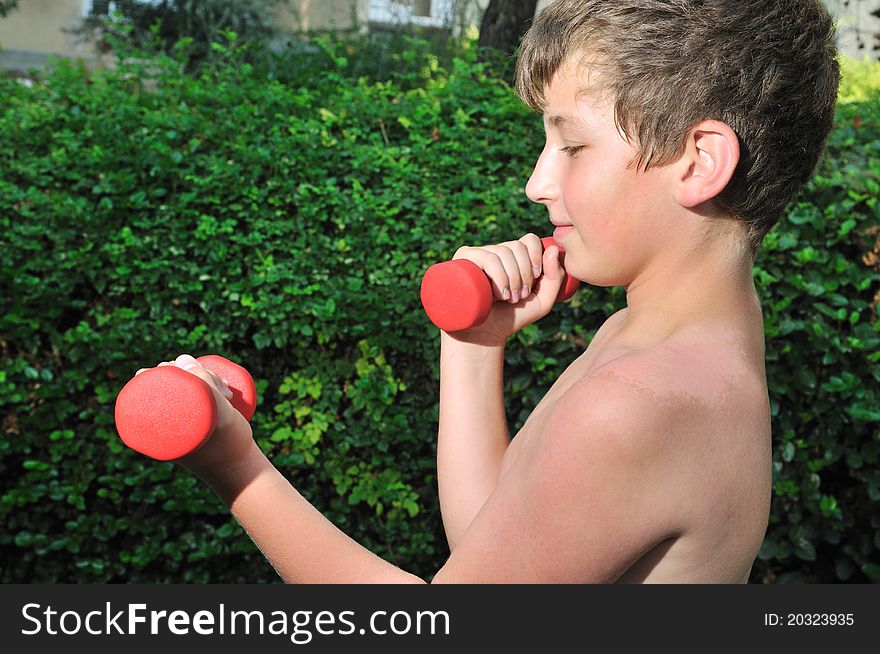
(542, 187)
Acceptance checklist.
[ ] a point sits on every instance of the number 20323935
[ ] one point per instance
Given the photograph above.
(809, 619)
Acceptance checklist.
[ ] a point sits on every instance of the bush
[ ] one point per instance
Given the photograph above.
(860, 80)
(287, 226)
(818, 276)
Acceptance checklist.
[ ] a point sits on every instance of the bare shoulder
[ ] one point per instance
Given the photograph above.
(695, 374)
(697, 405)
(620, 401)
(699, 396)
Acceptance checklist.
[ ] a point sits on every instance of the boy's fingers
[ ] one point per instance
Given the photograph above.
(508, 259)
(491, 264)
(513, 267)
(535, 249)
(191, 365)
(524, 263)
(187, 361)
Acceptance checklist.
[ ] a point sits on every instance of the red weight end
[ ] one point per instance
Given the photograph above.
(244, 392)
(149, 417)
(456, 295)
(570, 284)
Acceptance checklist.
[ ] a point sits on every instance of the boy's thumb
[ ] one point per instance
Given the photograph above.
(551, 279)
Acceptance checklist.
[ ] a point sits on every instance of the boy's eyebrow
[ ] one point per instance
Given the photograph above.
(558, 121)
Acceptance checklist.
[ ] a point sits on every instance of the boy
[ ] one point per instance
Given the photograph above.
(677, 131)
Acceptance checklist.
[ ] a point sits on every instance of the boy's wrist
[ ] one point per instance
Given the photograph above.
(469, 356)
(476, 346)
(228, 480)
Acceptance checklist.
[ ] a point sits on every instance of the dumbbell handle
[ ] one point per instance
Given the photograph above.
(457, 295)
(166, 412)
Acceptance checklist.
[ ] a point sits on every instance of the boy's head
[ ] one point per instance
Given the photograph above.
(765, 68)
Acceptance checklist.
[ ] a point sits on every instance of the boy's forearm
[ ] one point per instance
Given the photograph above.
(297, 540)
(473, 434)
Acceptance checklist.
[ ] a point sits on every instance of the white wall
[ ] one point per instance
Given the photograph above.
(39, 25)
(856, 27)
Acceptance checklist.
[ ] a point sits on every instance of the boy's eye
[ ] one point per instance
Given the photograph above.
(572, 150)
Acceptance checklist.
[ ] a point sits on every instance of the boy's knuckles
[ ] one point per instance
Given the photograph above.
(461, 252)
(534, 246)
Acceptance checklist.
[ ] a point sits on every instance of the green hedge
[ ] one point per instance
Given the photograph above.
(285, 221)
(818, 279)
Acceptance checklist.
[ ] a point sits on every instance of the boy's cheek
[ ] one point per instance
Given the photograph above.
(602, 255)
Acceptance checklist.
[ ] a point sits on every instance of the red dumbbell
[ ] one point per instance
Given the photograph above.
(457, 295)
(167, 412)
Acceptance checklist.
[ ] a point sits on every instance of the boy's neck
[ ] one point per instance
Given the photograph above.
(703, 285)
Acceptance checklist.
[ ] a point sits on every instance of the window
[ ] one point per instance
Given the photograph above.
(97, 7)
(421, 7)
(425, 13)
(106, 7)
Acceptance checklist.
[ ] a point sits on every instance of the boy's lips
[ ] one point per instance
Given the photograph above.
(561, 231)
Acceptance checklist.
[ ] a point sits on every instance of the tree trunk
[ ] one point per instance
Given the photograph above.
(504, 24)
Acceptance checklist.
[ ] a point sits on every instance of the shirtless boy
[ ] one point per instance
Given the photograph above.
(676, 133)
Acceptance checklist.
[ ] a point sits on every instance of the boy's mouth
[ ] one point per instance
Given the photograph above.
(561, 232)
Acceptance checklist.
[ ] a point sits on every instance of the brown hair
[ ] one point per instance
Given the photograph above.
(766, 68)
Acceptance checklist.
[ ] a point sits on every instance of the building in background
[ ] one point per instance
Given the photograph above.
(858, 28)
(39, 28)
(36, 28)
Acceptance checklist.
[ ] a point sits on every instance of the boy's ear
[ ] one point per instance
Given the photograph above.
(710, 157)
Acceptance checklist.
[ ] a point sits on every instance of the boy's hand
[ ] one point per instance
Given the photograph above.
(514, 269)
(232, 439)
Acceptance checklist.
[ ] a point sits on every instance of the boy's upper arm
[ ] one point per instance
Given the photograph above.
(586, 498)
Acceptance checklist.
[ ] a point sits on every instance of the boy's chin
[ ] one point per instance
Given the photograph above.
(596, 272)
